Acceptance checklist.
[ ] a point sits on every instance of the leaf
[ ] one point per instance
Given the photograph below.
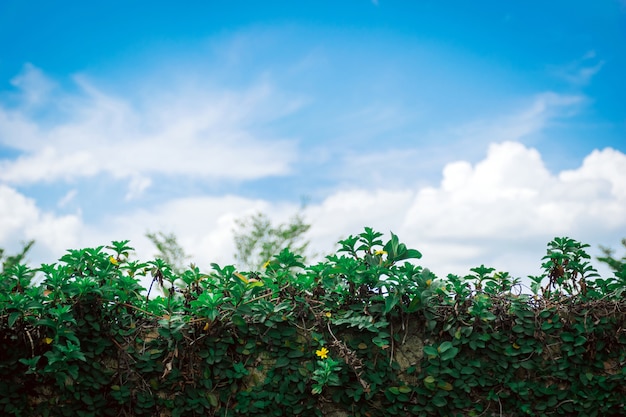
(241, 277)
(431, 351)
(282, 361)
(429, 382)
(381, 341)
(467, 370)
(450, 353)
(413, 305)
(518, 328)
(446, 386)
(413, 253)
(13, 317)
(212, 399)
(238, 320)
(457, 334)
(439, 401)
(390, 302)
(444, 346)
(546, 325)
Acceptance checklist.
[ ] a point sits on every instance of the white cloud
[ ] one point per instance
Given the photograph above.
(581, 71)
(601, 167)
(67, 198)
(205, 134)
(22, 220)
(532, 118)
(16, 211)
(137, 186)
(348, 212)
(33, 84)
(501, 212)
(411, 166)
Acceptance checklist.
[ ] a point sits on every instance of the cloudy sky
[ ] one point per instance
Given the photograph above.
(476, 131)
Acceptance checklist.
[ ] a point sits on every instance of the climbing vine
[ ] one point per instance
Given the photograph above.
(366, 332)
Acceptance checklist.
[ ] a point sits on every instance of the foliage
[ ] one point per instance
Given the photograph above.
(617, 265)
(257, 240)
(169, 250)
(366, 332)
(9, 261)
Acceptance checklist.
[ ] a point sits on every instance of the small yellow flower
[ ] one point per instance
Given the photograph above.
(113, 260)
(428, 282)
(328, 314)
(47, 340)
(322, 353)
(380, 252)
(266, 264)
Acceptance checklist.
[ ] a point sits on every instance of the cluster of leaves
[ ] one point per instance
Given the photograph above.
(366, 332)
(257, 240)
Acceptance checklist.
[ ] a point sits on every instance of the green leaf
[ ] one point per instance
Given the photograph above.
(439, 401)
(413, 253)
(238, 321)
(449, 353)
(467, 370)
(518, 328)
(390, 302)
(546, 325)
(282, 361)
(13, 317)
(431, 351)
(414, 304)
(429, 382)
(444, 346)
(212, 399)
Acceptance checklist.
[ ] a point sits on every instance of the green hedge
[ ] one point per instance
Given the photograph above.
(367, 332)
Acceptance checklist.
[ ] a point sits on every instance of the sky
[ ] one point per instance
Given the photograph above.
(475, 131)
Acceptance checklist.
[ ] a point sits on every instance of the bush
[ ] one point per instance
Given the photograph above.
(367, 332)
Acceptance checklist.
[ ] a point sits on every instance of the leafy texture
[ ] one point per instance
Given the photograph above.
(367, 332)
(257, 240)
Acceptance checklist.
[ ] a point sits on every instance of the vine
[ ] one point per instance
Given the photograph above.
(366, 332)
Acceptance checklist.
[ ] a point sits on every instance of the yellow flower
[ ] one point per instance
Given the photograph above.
(113, 260)
(266, 264)
(322, 353)
(47, 340)
(328, 314)
(428, 282)
(380, 252)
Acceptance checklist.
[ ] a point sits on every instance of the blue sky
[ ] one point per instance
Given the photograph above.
(476, 131)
